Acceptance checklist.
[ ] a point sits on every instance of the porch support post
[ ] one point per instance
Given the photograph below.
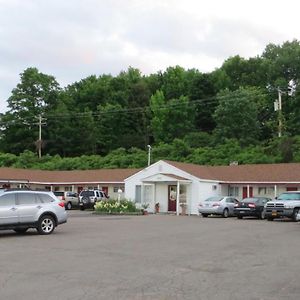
(275, 190)
(177, 198)
(142, 193)
(248, 191)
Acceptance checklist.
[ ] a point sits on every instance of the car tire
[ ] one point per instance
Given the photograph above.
(46, 225)
(240, 217)
(225, 213)
(69, 206)
(261, 215)
(20, 230)
(204, 215)
(294, 215)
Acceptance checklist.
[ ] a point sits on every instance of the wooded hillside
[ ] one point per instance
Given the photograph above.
(185, 115)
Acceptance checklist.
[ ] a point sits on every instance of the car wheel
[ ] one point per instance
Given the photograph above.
(204, 215)
(225, 213)
(240, 217)
(20, 230)
(261, 215)
(294, 216)
(46, 225)
(69, 206)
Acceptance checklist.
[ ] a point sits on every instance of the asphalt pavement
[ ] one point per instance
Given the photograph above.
(153, 257)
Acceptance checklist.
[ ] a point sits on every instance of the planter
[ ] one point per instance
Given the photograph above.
(183, 210)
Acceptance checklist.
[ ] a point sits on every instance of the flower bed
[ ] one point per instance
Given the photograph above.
(116, 207)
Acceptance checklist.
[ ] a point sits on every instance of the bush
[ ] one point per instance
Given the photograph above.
(114, 206)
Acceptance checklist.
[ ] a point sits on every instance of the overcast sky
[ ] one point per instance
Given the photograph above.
(72, 39)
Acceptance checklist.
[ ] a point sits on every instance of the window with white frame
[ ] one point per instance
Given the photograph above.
(138, 194)
(116, 188)
(262, 190)
(68, 189)
(233, 191)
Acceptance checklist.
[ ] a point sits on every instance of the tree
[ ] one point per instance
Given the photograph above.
(170, 119)
(35, 95)
(237, 114)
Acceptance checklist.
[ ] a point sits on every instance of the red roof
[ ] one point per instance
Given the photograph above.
(88, 176)
(288, 172)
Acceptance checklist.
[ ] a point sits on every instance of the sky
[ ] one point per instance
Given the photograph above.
(73, 39)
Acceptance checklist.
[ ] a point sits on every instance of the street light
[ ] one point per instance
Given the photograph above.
(149, 155)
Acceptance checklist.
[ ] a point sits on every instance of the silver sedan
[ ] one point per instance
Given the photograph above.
(218, 205)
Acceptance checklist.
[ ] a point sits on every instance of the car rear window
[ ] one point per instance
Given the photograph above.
(289, 196)
(250, 200)
(214, 199)
(87, 193)
(59, 194)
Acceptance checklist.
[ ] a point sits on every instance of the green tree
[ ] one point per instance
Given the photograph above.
(35, 95)
(170, 119)
(237, 115)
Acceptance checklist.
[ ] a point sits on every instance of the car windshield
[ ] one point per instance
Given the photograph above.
(214, 199)
(87, 193)
(289, 196)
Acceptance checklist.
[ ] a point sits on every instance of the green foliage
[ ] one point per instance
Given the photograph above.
(107, 121)
(116, 207)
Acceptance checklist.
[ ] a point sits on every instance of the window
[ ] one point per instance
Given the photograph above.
(138, 194)
(7, 200)
(262, 190)
(26, 198)
(68, 189)
(44, 198)
(233, 191)
(47, 188)
(116, 188)
(56, 189)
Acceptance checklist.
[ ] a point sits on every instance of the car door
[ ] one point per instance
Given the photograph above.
(28, 207)
(8, 209)
(230, 205)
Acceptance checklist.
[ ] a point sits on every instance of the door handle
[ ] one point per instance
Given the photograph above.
(13, 208)
(39, 207)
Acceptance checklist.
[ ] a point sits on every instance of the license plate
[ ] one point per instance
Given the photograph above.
(274, 213)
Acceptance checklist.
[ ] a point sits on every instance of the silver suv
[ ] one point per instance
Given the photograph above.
(24, 209)
(286, 205)
(88, 198)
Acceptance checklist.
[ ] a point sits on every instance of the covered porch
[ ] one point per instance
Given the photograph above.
(170, 192)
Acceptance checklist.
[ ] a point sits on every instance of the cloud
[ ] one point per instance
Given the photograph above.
(74, 39)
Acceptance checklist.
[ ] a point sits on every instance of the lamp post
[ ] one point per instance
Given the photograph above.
(149, 155)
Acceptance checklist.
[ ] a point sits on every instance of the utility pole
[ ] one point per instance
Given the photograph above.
(149, 155)
(278, 107)
(39, 141)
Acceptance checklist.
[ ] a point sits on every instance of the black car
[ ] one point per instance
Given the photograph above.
(254, 206)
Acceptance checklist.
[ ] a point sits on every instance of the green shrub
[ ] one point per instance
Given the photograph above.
(114, 206)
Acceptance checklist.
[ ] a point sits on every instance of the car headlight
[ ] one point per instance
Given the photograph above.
(288, 206)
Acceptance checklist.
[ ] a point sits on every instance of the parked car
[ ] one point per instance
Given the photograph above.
(24, 209)
(70, 199)
(253, 206)
(88, 198)
(286, 205)
(218, 205)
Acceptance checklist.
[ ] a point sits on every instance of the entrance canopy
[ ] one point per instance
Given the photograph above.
(162, 177)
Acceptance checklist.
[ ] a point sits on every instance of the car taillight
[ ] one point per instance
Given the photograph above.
(252, 205)
(216, 204)
(61, 204)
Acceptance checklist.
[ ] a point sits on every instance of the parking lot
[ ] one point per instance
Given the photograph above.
(153, 257)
